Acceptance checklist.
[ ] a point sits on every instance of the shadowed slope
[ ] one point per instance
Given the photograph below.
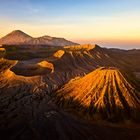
(102, 93)
(15, 84)
(27, 115)
(27, 110)
(2, 52)
(31, 116)
(83, 58)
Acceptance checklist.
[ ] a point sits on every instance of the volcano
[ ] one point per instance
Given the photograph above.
(102, 94)
(69, 93)
(15, 38)
(18, 37)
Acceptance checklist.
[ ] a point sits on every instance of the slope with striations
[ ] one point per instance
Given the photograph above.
(102, 94)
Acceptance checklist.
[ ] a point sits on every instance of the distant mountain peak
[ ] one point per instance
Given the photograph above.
(18, 37)
(18, 32)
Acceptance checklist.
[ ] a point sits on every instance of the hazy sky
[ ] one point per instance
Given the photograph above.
(113, 23)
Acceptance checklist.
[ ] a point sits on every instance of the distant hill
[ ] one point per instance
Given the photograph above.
(52, 41)
(18, 37)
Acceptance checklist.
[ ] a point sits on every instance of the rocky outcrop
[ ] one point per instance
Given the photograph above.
(59, 54)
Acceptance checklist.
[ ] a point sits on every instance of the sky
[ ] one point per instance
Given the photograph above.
(109, 23)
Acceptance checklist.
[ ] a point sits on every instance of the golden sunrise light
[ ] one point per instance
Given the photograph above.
(69, 69)
(121, 29)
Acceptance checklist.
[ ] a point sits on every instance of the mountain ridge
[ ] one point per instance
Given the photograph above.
(18, 37)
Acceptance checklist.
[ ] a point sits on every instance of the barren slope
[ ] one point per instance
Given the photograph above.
(102, 94)
(27, 112)
(15, 38)
(52, 41)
